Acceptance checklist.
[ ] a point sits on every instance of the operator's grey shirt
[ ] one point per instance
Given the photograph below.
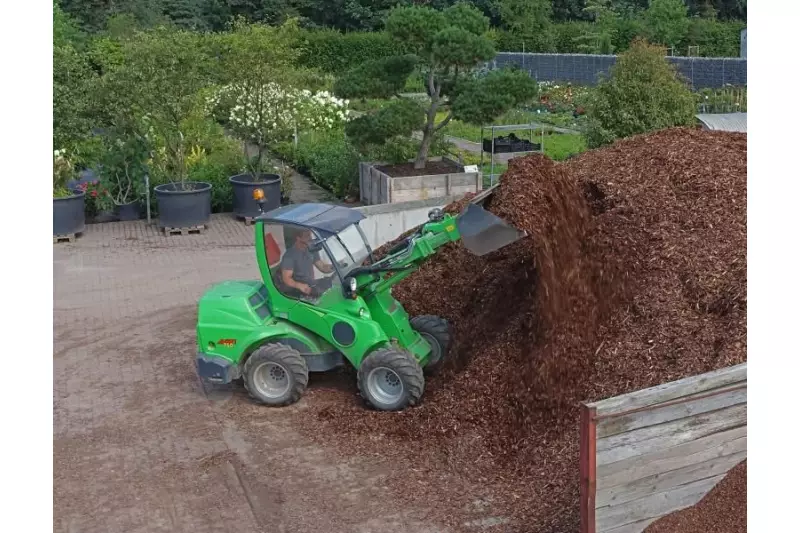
(301, 263)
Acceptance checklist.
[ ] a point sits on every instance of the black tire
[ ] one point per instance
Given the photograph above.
(280, 363)
(437, 332)
(388, 369)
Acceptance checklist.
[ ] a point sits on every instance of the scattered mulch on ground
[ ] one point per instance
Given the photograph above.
(401, 170)
(633, 274)
(722, 510)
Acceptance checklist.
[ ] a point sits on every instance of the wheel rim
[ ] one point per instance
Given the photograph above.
(271, 380)
(385, 385)
(436, 350)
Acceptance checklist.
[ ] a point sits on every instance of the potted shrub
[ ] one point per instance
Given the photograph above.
(263, 112)
(158, 83)
(447, 47)
(123, 165)
(69, 217)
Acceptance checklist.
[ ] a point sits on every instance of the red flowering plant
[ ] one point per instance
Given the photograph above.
(97, 198)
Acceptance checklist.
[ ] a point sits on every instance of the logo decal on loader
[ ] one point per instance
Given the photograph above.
(227, 342)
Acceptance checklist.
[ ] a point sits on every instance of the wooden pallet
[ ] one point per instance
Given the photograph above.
(69, 237)
(184, 231)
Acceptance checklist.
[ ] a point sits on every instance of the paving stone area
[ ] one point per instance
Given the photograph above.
(141, 446)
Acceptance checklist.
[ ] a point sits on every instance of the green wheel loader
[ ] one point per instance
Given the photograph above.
(323, 301)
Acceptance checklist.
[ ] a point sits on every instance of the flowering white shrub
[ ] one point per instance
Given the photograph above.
(271, 113)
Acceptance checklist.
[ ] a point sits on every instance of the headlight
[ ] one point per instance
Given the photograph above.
(353, 284)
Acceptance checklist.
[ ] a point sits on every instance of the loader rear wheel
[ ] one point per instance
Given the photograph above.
(276, 375)
(436, 331)
(390, 380)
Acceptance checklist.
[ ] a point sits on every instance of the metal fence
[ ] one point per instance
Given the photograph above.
(586, 69)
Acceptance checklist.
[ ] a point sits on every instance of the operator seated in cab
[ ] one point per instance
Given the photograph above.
(297, 268)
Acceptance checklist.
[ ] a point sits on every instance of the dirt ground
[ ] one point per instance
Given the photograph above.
(141, 446)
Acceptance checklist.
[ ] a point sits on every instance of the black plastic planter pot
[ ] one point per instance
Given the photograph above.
(129, 211)
(243, 186)
(183, 205)
(69, 216)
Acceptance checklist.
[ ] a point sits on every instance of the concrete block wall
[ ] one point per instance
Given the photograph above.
(585, 69)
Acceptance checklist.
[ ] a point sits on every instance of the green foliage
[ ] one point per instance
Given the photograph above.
(330, 160)
(158, 81)
(378, 78)
(73, 83)
(492, 95)
(335, 52)
(567, 34)
(643, 93)
(123, 165)
(254, 57)
(399, 118)
(667, 21)
(601, 37)
(66, 30)
(449, 44)
(528, 21)
(105, 53)
(714, 38)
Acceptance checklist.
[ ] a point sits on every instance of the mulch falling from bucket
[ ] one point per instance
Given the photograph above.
(633, 274)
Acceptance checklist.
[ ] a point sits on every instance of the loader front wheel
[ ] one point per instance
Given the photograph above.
(436, 331)
(276, 375)
(390, 380)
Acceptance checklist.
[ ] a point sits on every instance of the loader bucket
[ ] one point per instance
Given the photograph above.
(482, 232)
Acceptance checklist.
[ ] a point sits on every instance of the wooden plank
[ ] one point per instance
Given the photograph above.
(421, 182)
(653, 438)
(634, 527)
(668, 480)
(654, 505)
(673, 390)
(658, 415)
(696, 451)
(434, 181)
(362, 187)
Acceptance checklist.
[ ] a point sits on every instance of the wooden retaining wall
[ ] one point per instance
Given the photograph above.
(654, 451)
(379, 188)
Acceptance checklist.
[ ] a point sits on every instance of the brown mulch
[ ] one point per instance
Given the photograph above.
(722, 510)
(401, 170)
(633, 274)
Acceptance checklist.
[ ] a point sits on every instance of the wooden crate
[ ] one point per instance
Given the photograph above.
(649, 453)
(380, 188)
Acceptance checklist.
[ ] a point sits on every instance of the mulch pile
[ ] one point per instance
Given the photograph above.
(722, 510)
(633, 274)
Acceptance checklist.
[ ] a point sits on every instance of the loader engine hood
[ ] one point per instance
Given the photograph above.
(234, 303)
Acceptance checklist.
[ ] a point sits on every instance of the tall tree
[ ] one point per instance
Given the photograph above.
(667, 21)
(601, 39)
(529, 20)
(446, 47)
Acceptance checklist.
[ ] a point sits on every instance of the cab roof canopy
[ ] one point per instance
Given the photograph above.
(325, 219)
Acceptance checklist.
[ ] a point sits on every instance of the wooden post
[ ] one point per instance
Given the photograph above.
(588, 467)
(447, 185)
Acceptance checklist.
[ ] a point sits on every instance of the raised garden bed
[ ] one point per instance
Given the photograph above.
(441, 177)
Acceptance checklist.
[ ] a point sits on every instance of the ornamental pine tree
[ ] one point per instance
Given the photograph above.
(445, 47)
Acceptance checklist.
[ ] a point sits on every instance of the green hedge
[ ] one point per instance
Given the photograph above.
(715, 38)
(334, 52)
(327, 158)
